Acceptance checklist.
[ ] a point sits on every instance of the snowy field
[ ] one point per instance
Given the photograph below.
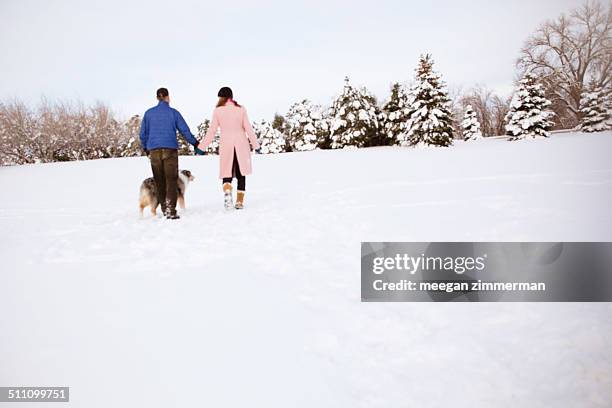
(261, 308)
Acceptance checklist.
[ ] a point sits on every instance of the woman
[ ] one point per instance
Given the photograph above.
(234, 148)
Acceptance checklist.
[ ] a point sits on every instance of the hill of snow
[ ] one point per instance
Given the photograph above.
(262, 307)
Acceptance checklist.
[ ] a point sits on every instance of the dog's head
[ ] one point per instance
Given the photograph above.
(188, 174)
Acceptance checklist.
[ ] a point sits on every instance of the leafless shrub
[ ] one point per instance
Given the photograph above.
(63, 131)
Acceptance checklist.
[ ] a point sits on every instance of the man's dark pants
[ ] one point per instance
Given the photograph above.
(164, 163)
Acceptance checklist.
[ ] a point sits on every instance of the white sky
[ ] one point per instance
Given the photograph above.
(272, 53)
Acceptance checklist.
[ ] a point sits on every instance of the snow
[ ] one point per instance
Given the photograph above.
(262, 307)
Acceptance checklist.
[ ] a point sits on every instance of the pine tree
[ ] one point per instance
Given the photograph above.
(471, 125)
(305, 126)
(353, 118)
(271, 140)
(325, 141)
(213, 147)
(395, 114)
(430, 120)
(595, 111)
(528, 116)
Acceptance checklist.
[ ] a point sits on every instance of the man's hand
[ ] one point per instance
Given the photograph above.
(197, 150)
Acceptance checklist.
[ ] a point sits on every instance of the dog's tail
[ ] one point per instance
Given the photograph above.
(144, 198)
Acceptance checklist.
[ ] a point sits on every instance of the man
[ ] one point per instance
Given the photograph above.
(158, 139)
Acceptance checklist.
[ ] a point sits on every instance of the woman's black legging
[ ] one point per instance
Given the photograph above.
(236, 172)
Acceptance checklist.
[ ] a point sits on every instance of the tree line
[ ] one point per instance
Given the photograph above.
(563, 81)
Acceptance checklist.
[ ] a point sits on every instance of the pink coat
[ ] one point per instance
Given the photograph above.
(235, 128)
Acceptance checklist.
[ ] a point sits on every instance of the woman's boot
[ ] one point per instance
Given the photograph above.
(227, 199)
(240, 200)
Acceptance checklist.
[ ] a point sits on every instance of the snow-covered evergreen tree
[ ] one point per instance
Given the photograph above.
(184, 148)
(471, 125)
(304, 125)
(353, 118)
(395, 114)
(270, 139)
(595, 111)
(213, 147)
(324, 140)
(280, 123)
(430, 121)
(528, 116)
(607, 98)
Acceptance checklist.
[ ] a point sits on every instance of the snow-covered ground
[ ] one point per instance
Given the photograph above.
(262, 307)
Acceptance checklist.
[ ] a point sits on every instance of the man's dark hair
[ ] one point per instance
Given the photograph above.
(162, 93)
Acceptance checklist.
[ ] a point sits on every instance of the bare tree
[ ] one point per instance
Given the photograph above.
(569, 52)
(480, 99)
(490, 108)
(499, 110)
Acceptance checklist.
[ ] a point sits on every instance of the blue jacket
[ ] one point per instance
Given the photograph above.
(159, 126)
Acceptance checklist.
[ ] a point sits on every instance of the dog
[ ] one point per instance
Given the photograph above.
(148, 192)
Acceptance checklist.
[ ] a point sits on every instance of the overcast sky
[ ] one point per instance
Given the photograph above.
(272, 53)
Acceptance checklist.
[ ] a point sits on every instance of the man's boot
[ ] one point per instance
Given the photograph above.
(240, 200)
(170, 212)
(172, 215)
(227, 196)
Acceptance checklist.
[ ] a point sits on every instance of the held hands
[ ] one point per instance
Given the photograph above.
(197, 150)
